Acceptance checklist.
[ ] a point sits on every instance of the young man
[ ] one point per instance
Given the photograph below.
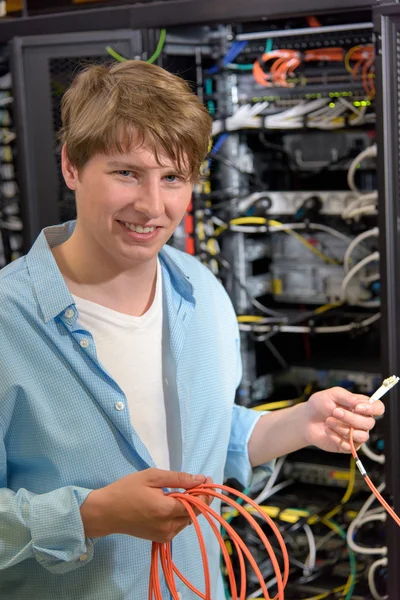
(119, 360)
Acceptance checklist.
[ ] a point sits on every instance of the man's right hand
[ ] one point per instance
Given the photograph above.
(137, 505)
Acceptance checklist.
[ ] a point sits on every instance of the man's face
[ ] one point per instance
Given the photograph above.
(127, 205)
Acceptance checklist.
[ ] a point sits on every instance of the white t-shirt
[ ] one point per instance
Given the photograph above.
(130, 349)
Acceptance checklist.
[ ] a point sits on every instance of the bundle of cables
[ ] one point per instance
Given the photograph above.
(190, 500)
(286, 61)
(321, 113)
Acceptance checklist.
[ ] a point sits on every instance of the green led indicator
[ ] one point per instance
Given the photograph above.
(332, 104)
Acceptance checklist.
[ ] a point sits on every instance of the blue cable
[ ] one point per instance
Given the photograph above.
(219, 143)
(241, 67)
(230, 56)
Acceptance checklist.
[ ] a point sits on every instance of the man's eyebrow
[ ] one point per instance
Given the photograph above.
(122, 164)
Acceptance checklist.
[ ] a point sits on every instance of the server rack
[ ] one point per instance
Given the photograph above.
(40, 169)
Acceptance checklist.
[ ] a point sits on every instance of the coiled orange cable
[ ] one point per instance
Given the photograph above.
(190, 501)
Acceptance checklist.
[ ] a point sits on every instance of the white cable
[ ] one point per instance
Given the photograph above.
(360, 265)
(374, 232)
(312, 555)
(319, 115)
(271, 481)
(356, 524)
(360, 200)
(370, 152)
(379, 458)
(371, 278)
(272, 228)
(369, 501)
(246, 116)
(363, 210)
(274, 490)
(368, 304)
(381, 562)
(301, 329)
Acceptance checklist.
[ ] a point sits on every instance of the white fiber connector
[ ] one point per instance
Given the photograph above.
(385, 387)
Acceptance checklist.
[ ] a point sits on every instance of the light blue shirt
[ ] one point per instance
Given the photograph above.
(63, 433)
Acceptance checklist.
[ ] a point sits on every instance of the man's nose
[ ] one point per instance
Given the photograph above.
(150, 201)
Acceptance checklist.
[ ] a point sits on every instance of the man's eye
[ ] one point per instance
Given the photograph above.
(125, 173)
(171, 178)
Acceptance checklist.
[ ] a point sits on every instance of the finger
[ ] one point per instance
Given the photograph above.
(375, 409)
(342, 445)
(345, 398)
(354, 420)
(173, 479)
(359, 436)
(181, 524)
(175, 509)
(206, 498)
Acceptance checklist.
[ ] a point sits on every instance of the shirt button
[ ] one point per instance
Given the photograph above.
(84, 343)
(69, 313)
(83, 557)
(120, 406)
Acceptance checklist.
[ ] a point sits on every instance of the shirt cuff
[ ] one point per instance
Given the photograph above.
(58, 537)
(238, 464)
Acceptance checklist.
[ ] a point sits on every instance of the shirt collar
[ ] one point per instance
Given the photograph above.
(52, 293)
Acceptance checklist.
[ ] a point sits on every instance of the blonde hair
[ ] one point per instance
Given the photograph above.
(108, 107)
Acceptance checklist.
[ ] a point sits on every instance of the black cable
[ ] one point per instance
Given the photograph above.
(253, 177)
(5, 238)
(268, 311)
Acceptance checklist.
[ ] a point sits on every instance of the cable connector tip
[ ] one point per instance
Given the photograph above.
(387, 385)
(391, 381)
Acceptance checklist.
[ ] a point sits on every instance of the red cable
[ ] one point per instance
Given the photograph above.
(371, 486)
(190, 501)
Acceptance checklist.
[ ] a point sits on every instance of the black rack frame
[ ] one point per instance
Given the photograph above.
(172, 12)
(387, 26)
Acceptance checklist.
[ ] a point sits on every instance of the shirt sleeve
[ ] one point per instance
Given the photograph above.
(238, 464)
(47, 527)
(244, 420)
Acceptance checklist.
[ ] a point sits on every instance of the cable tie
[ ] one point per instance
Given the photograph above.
(360, 467)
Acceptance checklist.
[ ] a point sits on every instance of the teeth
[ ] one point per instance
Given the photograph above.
(138, 228)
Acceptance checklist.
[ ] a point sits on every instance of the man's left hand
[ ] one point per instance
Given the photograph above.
(330, 415)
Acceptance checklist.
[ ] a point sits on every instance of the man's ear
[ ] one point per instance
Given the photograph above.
(70, 173)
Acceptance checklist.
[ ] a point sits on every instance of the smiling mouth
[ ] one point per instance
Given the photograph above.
(137, 228)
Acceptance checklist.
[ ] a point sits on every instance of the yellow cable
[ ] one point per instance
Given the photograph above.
(220, 229)
(303, 241)
(348, 56)
(348, 492)
(332, 526)
(248, 221)
(249, 319)
(326, 594)
(326, 307)
(276, 405)
(274, 223)
(284, 403)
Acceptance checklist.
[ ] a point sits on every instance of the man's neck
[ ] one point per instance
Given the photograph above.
(88, 276)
